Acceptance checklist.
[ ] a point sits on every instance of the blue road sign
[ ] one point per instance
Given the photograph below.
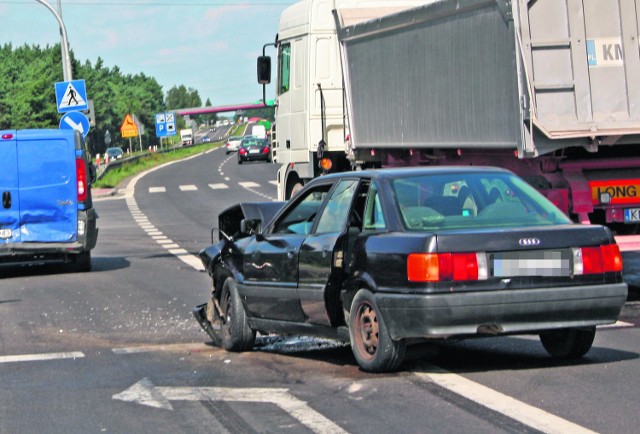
(75, 121)
(71, 96)
(165, 124)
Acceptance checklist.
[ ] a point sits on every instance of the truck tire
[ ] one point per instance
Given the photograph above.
(236, 333)
(568, 343)
(371, 343)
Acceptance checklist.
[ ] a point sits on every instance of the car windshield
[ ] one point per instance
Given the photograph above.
(472, 200)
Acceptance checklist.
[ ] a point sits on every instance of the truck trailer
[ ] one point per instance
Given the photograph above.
(547, 89)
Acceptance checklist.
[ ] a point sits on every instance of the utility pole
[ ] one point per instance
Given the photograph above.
(66, 59)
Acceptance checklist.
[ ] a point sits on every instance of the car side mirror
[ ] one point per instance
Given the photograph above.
(251, 226)
(264, 70)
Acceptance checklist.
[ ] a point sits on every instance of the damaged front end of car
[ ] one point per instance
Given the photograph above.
(235, 223)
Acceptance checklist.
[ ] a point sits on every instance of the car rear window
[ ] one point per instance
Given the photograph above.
(472, 200)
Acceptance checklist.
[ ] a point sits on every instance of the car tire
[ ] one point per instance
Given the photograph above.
(239, 160)
(236, 333)
(568, 343)
(82, 262)
(371, 342)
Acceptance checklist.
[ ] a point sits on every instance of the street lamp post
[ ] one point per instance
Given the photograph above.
(66, 59)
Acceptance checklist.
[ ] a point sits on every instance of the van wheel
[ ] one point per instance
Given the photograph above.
(371, 343)
(236, 333)
(82, 262)
(568, 343)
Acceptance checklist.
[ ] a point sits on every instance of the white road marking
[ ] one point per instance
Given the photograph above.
(218, 186)
(248, 184)
(617, 324)
(171, 246)
(167, 241)
(149, 348)
(157, 190)
(504, 404)
(41, 357)
(190, 187)
(273, 182)
(145, 393)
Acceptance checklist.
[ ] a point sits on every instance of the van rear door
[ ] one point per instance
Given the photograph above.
(47, 183)
(10, 206)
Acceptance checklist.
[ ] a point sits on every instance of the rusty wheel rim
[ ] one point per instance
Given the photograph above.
(366, 335)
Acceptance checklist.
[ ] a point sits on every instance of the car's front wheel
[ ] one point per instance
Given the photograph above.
(236, 333)
(371, 343)
(568, 343)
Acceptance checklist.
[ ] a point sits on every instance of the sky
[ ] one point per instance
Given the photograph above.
(207, 45)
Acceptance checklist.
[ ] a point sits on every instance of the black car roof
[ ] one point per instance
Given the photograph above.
(402, 172)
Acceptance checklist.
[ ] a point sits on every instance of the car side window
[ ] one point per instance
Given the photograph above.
(334, 215)
(300, 218)
(373, 216)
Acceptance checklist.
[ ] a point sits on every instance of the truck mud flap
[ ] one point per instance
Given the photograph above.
(200, 314)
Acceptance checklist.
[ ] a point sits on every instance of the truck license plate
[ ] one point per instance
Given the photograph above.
(632, 215)
(5, 234)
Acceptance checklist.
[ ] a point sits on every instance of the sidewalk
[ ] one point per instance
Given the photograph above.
(103, 192)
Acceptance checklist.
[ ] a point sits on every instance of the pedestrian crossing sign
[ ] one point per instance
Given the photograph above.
(71, 96)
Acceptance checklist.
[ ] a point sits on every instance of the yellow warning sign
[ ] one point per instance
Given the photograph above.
(128, 127)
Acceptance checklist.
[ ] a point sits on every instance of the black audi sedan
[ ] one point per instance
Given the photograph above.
(388, 258)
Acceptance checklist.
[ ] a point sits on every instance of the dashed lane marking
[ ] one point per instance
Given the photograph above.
(218, 186)
(248, 184)
(188, 188)
(157, 190)
(41, 357)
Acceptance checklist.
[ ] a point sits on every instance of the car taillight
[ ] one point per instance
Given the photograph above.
(81, 176)
(242, 151)
(437, 267)
(595, 260)
(265, 150)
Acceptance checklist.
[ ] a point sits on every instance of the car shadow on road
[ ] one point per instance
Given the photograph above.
(98, 264)
(503, 353)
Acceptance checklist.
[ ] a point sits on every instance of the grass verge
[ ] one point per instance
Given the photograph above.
(112, 178)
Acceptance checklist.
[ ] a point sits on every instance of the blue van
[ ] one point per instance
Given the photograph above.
(47, 214)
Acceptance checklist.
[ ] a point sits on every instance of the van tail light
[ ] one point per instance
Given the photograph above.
(437, 267)
(595, 260)
(81, 176)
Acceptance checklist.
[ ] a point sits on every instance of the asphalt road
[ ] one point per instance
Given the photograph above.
(116, 350)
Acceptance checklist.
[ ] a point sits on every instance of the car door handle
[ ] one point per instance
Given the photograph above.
(6, 199)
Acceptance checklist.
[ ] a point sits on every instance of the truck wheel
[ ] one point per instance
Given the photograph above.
(82, 262)
(236, 334)
(568, 343)
(371, 343)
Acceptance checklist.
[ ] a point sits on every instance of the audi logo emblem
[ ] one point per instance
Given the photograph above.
(528, 242)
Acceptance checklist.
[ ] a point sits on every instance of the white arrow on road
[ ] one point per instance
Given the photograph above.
(145, 393)
(73, 125)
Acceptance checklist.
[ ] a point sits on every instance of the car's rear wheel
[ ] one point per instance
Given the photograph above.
(371, 343)
(236, 333)
(568, 343)
(239, 160)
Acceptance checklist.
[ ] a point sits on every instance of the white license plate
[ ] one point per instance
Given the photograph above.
(5, 234)
(632, 215)
(540, 263)
(254, 151)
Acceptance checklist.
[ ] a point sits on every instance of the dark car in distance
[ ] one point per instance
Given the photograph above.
(253, 149)
(388, 258)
